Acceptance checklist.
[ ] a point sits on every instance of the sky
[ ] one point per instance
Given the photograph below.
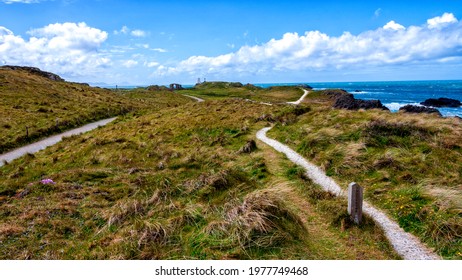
(105, 42)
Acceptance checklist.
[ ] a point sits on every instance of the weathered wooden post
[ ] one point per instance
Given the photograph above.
(355, 202)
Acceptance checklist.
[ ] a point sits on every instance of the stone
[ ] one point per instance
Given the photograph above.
(347, 101)
(442, 102)
(355, 202)
(413, 109)
(35, 71)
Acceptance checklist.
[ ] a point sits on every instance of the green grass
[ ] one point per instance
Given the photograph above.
(32, 106)
(172, 184)
(409, 164)
(224, 90)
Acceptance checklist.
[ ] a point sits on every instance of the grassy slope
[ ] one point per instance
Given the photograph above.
(47, 107)
(224, 90)
(409, 164)
(172, 185)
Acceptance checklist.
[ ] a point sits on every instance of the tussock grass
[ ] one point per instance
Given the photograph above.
(409, 164)
(32, 106)
(114, 200)
(224, 90)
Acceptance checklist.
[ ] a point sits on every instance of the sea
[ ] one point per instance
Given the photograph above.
(395, 94)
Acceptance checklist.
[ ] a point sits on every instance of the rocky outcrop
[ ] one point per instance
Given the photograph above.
(35, 71)
(158, 88)
(347, 101)
(442, 102)
(305, 86)
(413, 109)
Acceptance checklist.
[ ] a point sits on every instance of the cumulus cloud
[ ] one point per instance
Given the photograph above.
(20, 1)
(130, 63)
(65, 48)
(392, 25)
(138, 33)
(126, 30)
(391, 44)
(442, 21)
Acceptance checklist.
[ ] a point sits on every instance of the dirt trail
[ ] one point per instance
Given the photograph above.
(195, 98)
(40, 145)
(405, 244)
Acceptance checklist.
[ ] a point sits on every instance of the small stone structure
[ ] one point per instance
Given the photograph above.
(355, 202)
(176, 87)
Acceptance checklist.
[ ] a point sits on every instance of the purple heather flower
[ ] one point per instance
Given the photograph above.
(47, 182)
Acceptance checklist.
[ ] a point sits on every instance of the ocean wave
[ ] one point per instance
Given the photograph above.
(394, 106)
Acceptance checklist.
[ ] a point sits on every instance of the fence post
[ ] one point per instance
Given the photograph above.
(27, 132)
(355, 202)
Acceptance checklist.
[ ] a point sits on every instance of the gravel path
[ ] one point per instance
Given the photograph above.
(40, 145)
(301, 98)
(195, 98)
(405, 244)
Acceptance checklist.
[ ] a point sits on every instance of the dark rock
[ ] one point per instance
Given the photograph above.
(418, 110)
(176, 87)
(347, 101)
(442, 102)
(249, 147)
(358, 90)
(334, 92)
(35, 71)
(305, 86)
(236, 84)
(158, 88)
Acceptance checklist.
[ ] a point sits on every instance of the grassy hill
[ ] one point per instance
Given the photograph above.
(34, 104)
(221, 90)
(180, 183)
(409, 164)
(177, 179)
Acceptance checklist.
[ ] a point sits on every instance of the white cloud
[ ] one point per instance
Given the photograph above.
(159, 50)
(442, 21)
(138, 33)
(64, 48)
(151, 64)
(390, 45)
(378, 12)
(123, 30)
(20, 1)
(130, 63)
(392, 25)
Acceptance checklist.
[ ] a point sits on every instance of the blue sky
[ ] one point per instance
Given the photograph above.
(159, 42)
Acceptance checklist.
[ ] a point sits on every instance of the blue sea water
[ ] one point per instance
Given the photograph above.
(398, 93)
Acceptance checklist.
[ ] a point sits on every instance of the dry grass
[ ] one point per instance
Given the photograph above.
(409, 164)
(112, 200)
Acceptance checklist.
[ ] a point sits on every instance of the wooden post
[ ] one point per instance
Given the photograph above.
(27, 132)
(355, 202)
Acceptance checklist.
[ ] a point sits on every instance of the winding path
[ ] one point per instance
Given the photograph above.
(405, 244)
(42, 144)
(195, 98)
(301, 98)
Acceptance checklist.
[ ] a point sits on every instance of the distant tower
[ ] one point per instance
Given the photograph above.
(198, 80)
(205, 80)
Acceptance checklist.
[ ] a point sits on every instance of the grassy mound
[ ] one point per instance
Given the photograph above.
(222, 90)
(172, 184)
(409, 164)
(32, 105)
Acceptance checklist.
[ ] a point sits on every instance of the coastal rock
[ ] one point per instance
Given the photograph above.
(334, 92)
(347, 101)
(305, 86)
(35, 71)
(442, 102)
(158, 88)
(413, 109)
